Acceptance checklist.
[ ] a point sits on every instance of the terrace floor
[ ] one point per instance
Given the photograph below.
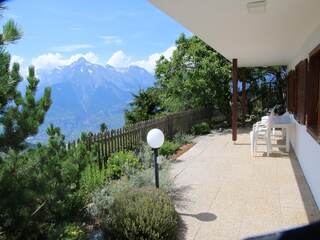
(227, 194)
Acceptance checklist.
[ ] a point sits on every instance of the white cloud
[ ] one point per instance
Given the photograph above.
(89, 56)
(17, 59)
(20, 60)
(13, 16)
(120, 60)
(112, 40)
(52, 60)
(71, 48)
(150, 63)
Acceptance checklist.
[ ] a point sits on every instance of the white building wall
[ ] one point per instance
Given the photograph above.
(311, 43)
(308, 153)
(306, 148)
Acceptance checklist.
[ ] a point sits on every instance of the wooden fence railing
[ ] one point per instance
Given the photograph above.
(129, 137)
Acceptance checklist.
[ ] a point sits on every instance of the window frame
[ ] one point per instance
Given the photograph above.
(292, 91)
(313, 93)
(301, 71)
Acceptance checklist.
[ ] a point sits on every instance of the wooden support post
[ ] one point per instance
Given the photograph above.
(234, 98)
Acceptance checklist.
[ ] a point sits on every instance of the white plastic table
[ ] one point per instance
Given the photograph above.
(285, 123)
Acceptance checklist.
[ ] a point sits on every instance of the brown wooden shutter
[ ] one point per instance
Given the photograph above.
(313, 97)
(301, 80)
(295, 94)
(308, 93)
(291, 91)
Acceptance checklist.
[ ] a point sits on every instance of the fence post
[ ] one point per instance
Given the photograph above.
(108, 144)
(170, 126)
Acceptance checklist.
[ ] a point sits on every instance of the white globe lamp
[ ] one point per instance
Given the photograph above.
(155, 139)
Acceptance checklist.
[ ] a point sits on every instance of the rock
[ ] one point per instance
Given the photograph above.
(97, 234)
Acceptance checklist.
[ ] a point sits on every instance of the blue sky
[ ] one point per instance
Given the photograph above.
(118, 32)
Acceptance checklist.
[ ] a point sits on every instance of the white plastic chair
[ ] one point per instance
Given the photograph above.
(265, 120)
(260, 131)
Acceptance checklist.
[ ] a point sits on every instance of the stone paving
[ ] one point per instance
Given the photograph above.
(228, 194)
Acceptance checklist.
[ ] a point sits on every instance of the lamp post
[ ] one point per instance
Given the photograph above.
(155, 139)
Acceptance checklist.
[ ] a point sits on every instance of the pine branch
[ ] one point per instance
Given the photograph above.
(11, 33)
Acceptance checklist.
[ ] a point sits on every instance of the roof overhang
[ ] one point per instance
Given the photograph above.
(262, 37)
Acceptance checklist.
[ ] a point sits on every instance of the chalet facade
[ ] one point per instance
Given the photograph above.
(265, 33)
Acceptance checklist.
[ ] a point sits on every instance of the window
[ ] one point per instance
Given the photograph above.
(313, 94)
(292, 92)
(300, 91)
(304, 93)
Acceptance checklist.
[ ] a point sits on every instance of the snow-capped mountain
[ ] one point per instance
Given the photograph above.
(86, 94)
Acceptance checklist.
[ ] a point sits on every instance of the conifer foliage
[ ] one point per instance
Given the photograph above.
(20, 114)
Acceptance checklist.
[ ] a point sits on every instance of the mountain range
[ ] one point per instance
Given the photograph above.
(84, 95)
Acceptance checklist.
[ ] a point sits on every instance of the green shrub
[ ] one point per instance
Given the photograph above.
(92, 179)
(41, 188)
(72, 232)
(122, 163)
(168, 148)
(67, 231)
(103, 199)
(201, 128)
(145, 178)
(142, 214)
(182, 138)
(145, 155)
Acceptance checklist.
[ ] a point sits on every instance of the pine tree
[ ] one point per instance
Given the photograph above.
(20, 115)
(103, 127)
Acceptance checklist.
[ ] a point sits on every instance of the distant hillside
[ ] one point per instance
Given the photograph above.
(85, 95)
